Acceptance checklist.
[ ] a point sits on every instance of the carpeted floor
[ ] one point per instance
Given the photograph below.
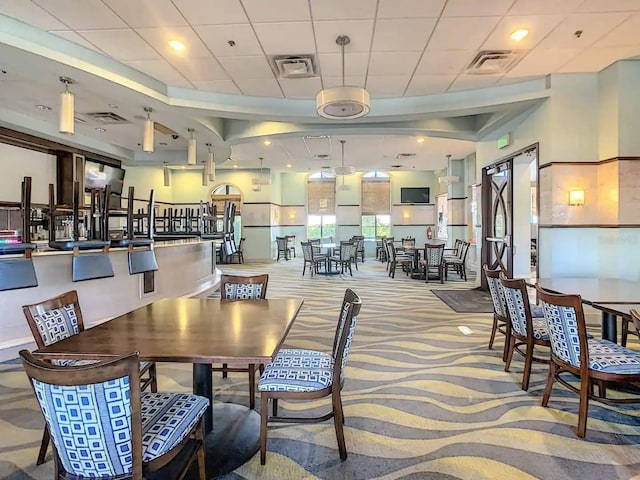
(466, 301)
(422, 400)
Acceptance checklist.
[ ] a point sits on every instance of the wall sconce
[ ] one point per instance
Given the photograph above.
(292, 216)
(406, 216)
(576, 197)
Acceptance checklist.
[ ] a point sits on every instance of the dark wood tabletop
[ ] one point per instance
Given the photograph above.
(595, 290)
(189, 330)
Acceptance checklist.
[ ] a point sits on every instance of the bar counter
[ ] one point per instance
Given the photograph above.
(186, 267)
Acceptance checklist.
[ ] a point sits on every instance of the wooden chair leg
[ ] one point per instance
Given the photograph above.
(527, 368)
(224, 371)
(493, 332)
(550, 379)
(512, 346)
(274, 407)
(202, 474)
(625, 332)
(154, 378)
(252, 386)
(507, 339)
(583, 408)
(43, 446)
(264, 413)
(338, 422)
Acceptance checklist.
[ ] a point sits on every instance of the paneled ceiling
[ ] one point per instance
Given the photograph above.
(399, 48)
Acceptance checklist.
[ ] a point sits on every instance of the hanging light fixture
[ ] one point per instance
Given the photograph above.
(348, 170)
(167, 175)
(211, 164)
(205, 173)
(342, 103)
(66, 124)
(191, 150)
(147, 138)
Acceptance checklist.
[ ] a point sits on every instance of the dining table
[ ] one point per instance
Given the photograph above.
(200, 332)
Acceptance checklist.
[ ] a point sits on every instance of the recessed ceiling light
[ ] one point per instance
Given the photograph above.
(288, 165)
(113, 105)
(267, 142)
(235, 166)
(100, 129)
(519, 34)
(177, 45)
(182, 167)
(420, 140)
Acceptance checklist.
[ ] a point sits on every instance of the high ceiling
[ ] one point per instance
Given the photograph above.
(411, 55)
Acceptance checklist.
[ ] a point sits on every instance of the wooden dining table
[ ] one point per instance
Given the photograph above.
(200, 332)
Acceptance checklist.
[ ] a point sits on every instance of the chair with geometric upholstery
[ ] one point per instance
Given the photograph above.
(283, 249)
(60, 317)
(298, 374)
(396, 260)
(433, 261)
(315, 260)
(458, 263)
(500, 315)
(234, 288)
(592, 360)
(525, 330)
(102, 426)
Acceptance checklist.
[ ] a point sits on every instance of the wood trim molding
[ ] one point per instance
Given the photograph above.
(599, 162)
(591, 225)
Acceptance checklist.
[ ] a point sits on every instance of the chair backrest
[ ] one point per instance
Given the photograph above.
(234, 287)
(241, 245)
(433, 254)
(281, 243)
(464, 248)
(635, 318)
(360, 246)
(345, 250)
(391, 250)
(497, 292)
(92, 413)
(345, 330)
(518, 308)
(307, 251)
(54, 319)
(567, 328)
(409, 242)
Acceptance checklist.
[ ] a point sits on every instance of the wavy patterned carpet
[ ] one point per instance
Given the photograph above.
(421, 399)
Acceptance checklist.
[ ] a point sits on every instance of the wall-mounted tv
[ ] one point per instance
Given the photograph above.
(414, 195)
(98, 175)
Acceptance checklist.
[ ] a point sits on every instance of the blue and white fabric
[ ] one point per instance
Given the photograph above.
(609, 357)
(242, 291)
(497, 296)
(91, 424)
(562, 325)
(300, 358)
(540, 331)
(517, 311)
(537, 311)
(434, 254)
(57, 324)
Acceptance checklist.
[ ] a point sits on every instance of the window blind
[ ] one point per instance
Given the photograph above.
(376, 196)
(321, 196)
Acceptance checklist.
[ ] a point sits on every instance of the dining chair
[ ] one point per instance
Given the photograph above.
(343, 259)
(524, 329)
(291, 245)
(458, 263)
(102, 426)
(300, 374)
(396, 260)
(433, 261)
(500, 315)
(592, 360)
(235, 287)
(314, 260)
(281, 245)
(360, 248)
(60, 317)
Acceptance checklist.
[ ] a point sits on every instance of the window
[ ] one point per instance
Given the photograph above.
(376, 226)
(220, 196)
(321, 226)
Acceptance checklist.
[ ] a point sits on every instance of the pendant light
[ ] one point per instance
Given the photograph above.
(191, 150)
(167, 175)
(211, 164)
(205, 174)
(348, 170)
(66, 124)
(147, 139)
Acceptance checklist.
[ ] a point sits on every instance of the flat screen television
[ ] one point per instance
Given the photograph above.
(414, 195)
(98, 175)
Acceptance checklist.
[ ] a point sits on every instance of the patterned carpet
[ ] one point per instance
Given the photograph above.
(422, 400)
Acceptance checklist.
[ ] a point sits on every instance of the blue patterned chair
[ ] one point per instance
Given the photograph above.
(313, 259)
(297, 374)
(58, 318)
(500, 316)
(525, 330)
(593, 360)
(102, 426)
(234, 287)
(433, 260)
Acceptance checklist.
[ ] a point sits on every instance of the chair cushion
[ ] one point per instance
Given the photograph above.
(284, 379)
(537, 311)
(81, 244)
(167, 418)
(15, 248)
(540, 329)
(609, 357)
(299, 358)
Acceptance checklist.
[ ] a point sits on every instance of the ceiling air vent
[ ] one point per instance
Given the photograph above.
(106, 118)
(400, 156)
(494, 61)
(294, 66)
(320, 156)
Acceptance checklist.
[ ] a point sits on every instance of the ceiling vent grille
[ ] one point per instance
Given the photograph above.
(294, 66)
(106, 118)
(494, 61)
(401, 156)
(321, 156)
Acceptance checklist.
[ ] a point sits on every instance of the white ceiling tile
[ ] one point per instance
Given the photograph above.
(450, 62)
(82, 14)
(199, 69)
(593, 26)
(353, 81)
(160, 70)
(539, 27)
(260, 87)
(286, 38)
(300, 87)
(595, 59)
(158, 38)
(625, 34)
(540, 7)
(393, 63)
(32, 14)
(475, 8)
(120, 44)
(429, 84)
(211, 12)
(343, 10)
(147, 13)
(409, 8)
(75, 38)
(355, 64)
(277, 10)
(461, 33)
(247, 66)
(468, 82)
(542, 61)
(609, 6)
(387, 86)
(217, 86)
(358, 31)
(217, 38)
(396, 35)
